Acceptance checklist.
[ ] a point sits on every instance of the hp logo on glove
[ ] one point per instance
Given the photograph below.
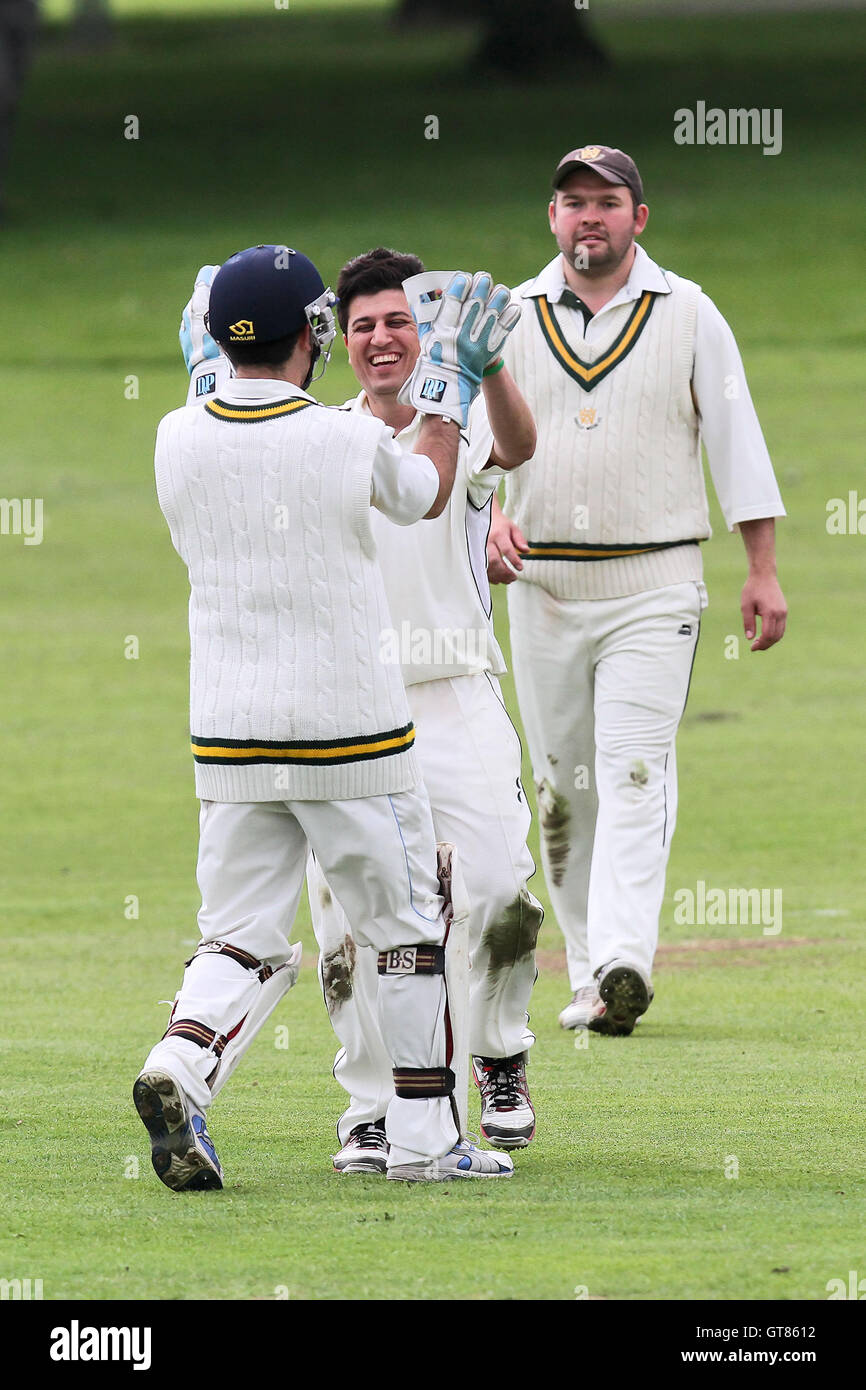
(433, 389)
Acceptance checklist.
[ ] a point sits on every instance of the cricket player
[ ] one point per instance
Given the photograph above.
(301, 736)
(442, 638)
(626, 368)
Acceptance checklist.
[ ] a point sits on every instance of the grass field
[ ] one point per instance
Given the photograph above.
(753, 1048)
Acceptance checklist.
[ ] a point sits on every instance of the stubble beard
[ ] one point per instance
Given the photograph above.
(601, 265)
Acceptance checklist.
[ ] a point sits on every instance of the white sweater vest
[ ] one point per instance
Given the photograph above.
(270, 509)
(613, 500)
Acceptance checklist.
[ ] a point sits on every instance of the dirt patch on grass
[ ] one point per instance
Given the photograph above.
(685, 955)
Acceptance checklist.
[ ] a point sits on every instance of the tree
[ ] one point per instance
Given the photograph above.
(520, 38)
(91, 25)
(18, 22)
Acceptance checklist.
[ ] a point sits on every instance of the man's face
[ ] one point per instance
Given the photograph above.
(597, 219)
(382, 339)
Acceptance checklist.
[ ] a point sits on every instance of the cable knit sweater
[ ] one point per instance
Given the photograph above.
(616, 485)
(268, 504)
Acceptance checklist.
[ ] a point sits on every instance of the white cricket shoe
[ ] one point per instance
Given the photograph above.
(465, 1160)
(365, 1150)
(182, 1151)
(585, 1008)
(507, 1116)
(626, 993)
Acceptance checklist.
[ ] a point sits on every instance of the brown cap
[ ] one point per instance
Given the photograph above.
(614, 165)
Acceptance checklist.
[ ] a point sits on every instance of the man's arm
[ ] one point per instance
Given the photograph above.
(514, 435)
(741, 469)
(409, 487)
(439, 440)
(761, 596)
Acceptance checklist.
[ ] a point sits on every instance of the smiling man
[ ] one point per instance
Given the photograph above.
(626, 368)
(442, 636)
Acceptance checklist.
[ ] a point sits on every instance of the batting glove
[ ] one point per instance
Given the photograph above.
(508, 315)
(196, 343)
(464, 336)
(486, 323)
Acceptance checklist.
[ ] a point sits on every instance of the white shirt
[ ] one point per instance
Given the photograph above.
(405, 485)
(436, 573)
(739, 463)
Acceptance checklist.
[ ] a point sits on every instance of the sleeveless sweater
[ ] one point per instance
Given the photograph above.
(269, 506)
(613, 501)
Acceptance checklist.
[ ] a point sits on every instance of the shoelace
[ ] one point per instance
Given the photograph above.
(370, 1137)
(504, 1082)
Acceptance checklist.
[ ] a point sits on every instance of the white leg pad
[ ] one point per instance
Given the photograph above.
(267, 999)
(457, 968)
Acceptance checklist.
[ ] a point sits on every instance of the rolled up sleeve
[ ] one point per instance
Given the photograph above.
(405, 486)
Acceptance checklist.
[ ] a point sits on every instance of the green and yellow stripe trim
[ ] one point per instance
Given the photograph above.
(251, 414)
(234, 752)
(569, 550)
(589, 374)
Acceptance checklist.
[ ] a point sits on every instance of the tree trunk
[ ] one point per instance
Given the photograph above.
(523, 40)
(429, 12)
(92, 25)
(520, 38)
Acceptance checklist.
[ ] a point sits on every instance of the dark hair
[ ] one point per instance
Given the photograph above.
(380, 269)
(262, 354)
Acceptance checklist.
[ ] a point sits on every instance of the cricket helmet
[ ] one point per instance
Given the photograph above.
(266, 293)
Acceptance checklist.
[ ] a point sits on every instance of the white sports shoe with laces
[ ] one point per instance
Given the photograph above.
(465, 1160)
(507, 1116)
(586, 1007)
(365, 1150)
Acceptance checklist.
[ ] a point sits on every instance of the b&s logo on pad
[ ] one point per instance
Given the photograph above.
(241, 331)
(433, 389)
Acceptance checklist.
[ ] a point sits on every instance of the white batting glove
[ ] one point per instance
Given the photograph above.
(196, 343)
(508, 313)
(464, 336)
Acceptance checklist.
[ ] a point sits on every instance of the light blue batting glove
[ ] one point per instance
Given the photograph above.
(438, 386)
(488, 319)
(465, 336)
(196, 343)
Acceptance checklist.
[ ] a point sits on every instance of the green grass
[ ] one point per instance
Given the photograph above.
(747, 1053)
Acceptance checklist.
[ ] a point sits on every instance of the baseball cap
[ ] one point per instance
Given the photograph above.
(261, 294)
(614, 165)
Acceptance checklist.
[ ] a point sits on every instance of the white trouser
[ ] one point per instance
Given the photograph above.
(602, 686)
(469, 753)
(379, 853)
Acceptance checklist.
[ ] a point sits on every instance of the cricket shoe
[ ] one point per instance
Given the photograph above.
(465, 1160)
(586, 1006)
(365, 1151)
(626, 994)
(507, 1116)
(182, 1153)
